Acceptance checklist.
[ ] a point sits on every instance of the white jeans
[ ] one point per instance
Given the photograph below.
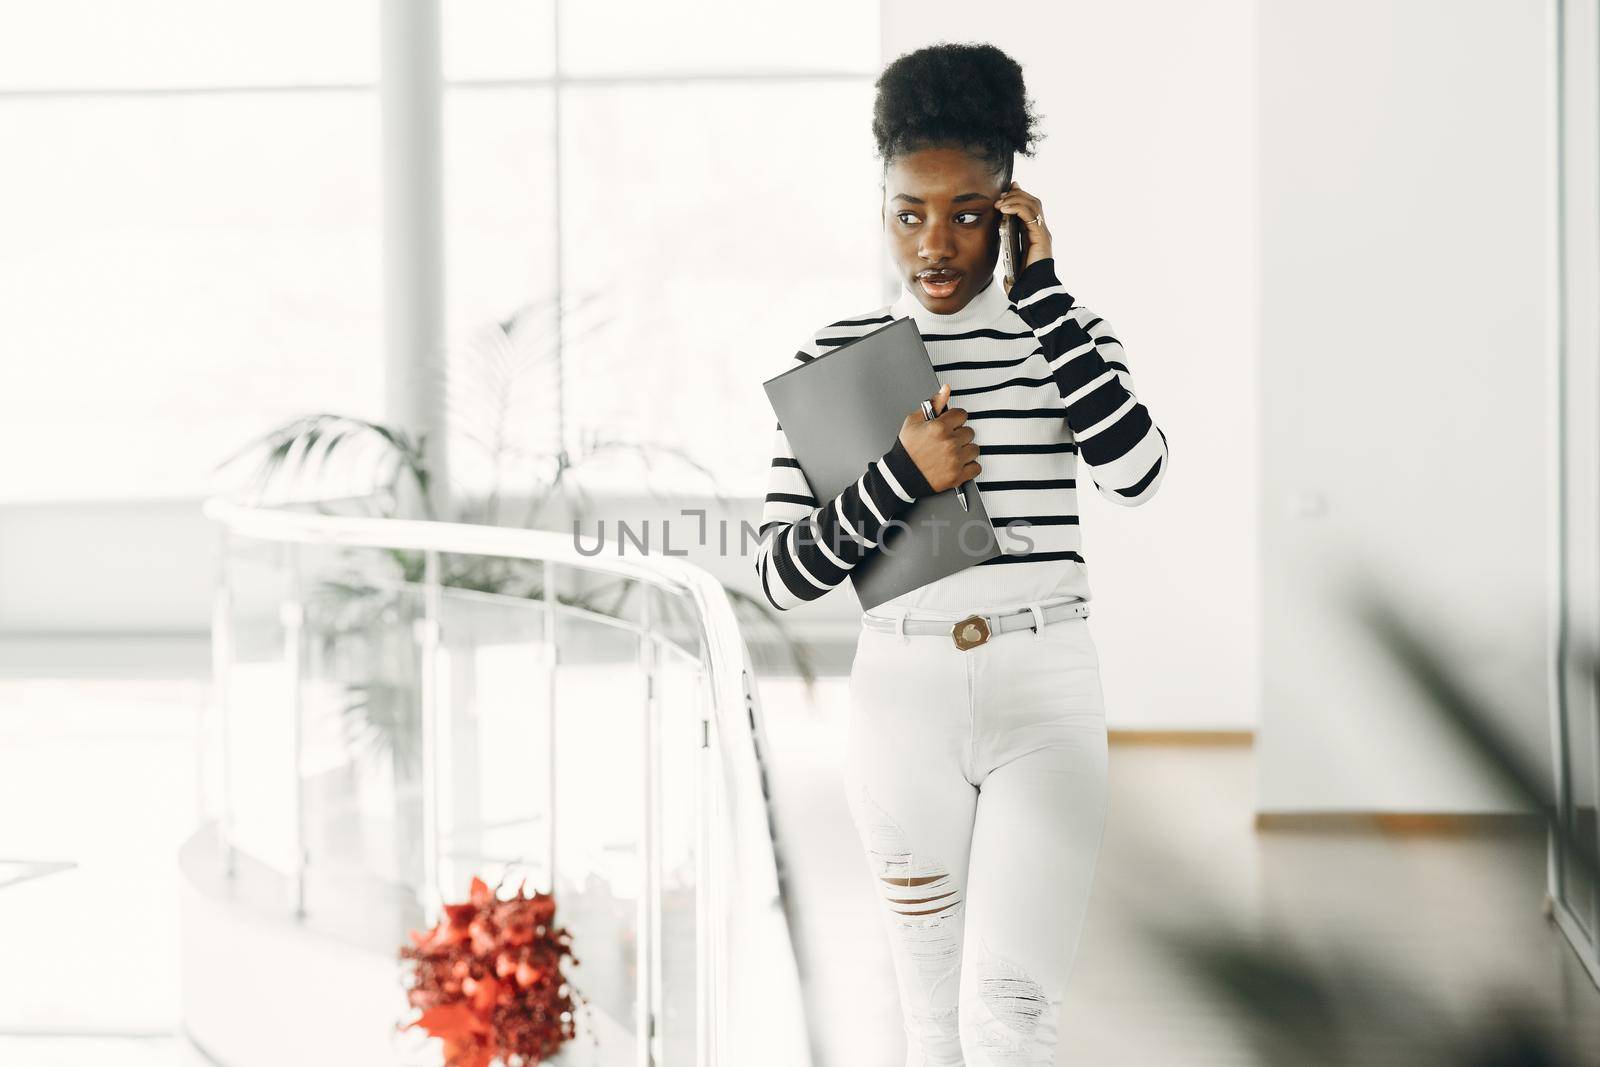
(977, 782)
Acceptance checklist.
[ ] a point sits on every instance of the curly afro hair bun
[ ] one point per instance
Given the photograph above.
(967, 96)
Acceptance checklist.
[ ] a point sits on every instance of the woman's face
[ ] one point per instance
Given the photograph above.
(942, 226)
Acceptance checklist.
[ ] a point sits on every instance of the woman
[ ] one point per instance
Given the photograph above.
(976, 755)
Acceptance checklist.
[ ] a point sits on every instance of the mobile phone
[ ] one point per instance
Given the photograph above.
(1013, 247)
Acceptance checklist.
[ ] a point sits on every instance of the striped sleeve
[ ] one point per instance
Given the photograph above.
(808, 547)
(1117, 439)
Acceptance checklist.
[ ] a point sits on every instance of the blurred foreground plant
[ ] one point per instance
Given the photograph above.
(1347, 1009)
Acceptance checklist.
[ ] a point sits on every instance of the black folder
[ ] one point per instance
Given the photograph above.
(844, 409)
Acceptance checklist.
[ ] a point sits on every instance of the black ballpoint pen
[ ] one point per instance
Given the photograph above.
(927, 416)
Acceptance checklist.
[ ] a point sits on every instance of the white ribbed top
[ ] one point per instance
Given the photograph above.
(1045, 383)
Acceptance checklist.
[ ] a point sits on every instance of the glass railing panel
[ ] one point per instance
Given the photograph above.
(494, 741)
(361, 740)
(599, 815)
(331, 664)
(256, 738)
(680, 691)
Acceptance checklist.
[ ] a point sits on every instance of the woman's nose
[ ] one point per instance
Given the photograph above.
(937, 244)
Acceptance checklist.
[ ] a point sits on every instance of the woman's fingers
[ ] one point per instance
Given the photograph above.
(1022, 204)
(1027, 207)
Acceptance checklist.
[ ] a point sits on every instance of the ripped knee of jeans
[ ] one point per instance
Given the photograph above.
(1015, 1004)
(923, 898)
(911, 884)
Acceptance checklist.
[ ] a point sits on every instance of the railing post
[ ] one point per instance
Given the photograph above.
(552, 662)
(703, 877)
(717, 929)
(292, 614)
(647, 940)
(427, 638)
(221, 668)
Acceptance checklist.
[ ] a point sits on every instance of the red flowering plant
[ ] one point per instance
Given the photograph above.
(487, 979)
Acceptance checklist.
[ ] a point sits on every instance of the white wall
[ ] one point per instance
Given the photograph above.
(1147, 175)
(1403, 227)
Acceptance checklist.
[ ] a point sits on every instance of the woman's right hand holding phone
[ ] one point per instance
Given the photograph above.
(941, 447)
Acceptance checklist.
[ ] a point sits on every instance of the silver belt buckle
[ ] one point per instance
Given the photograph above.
(970, 632)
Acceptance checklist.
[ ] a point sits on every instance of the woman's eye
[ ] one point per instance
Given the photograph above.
(908, 218)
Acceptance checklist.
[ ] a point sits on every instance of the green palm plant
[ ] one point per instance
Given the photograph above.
(305, 447)
(514, 378)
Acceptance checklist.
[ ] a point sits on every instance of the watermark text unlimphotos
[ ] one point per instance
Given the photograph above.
(660, 537)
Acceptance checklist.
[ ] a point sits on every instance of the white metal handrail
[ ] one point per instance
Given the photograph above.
(749, 1005)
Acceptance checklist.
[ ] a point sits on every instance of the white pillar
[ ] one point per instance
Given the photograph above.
(411, 97)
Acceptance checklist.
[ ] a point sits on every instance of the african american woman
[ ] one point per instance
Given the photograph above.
(976, 747)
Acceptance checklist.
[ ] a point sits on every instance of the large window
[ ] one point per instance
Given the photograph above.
(720, 226)
(191, 211)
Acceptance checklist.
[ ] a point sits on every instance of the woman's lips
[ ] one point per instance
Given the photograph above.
(939, 286)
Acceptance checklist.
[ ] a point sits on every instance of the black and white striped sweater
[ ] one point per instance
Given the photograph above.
(1045, 382)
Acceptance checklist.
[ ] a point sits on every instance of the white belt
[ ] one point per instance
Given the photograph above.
(974, 630)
